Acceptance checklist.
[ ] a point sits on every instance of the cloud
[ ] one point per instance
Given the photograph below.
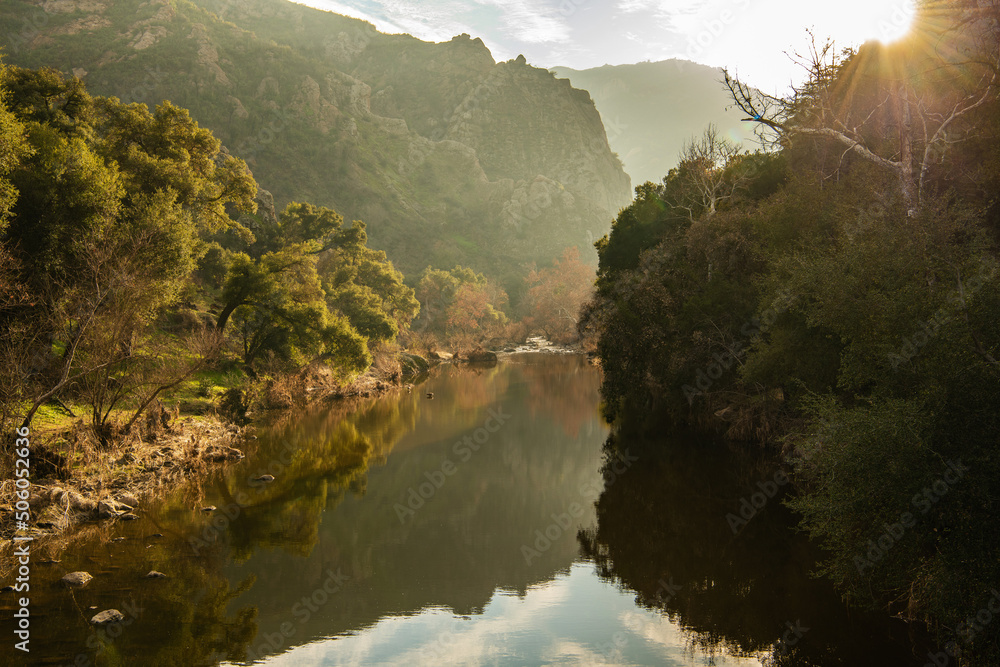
(524, 21)
(632, 6)
(433, 21)
(530, 22)
(444, 640)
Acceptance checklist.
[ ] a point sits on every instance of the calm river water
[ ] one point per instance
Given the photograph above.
(493, 524)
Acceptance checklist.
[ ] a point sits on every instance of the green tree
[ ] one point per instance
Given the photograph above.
(105, 227)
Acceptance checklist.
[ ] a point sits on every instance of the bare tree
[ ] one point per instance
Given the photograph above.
(706, 164)
(918, 109)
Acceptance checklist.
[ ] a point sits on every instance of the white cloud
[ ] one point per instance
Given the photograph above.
(435, 22)
(632, 6)
(530, 22)
(339, 8)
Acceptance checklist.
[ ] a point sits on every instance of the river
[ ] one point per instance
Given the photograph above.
(494, 523)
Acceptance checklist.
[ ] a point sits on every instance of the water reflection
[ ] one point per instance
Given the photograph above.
(493, 524)
(573, 619)
(443, 522)
(663, 533)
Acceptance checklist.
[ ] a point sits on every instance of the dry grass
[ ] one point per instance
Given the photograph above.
(73, 473)
(166, 451)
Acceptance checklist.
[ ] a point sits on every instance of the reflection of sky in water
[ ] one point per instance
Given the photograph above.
(574, 619)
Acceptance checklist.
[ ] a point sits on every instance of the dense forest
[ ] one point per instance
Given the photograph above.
(120, 225)
(838, 296)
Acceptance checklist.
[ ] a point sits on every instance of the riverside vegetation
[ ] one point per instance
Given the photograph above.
(836, 295)
(839, 296)
(145, 275)
(265, 294)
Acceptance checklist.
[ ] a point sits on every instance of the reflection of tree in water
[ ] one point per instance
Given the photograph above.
(469, 387)
(571, 396)
(316, 459)
(184, 619)
(663, 522)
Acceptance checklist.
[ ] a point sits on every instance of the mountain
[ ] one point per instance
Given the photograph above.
(652, 109)
(447, 155)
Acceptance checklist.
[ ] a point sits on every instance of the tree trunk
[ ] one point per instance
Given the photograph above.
(220, 325)
(908, 186)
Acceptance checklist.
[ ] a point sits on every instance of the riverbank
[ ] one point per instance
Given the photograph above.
(74, 481)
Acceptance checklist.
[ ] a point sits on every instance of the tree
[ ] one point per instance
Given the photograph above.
(314, 288)
(460, 302)
(474, 313)
(707, 168)
(110, 199)
(901, 107)
(556, 295)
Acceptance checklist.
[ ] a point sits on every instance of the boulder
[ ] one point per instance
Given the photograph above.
(479, 355)
(128, 499)
(107, 616)
(413, 364)
(76, 579)
(219, 454)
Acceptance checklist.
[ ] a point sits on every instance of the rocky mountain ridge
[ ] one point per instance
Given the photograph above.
(448, 156)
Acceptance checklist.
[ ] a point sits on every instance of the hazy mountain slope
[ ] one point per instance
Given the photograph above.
(448, 156)
(651, 109)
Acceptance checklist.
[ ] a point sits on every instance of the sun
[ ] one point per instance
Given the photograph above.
(859, 21)
(895, 21)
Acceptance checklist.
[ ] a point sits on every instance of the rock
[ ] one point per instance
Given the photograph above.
(77, 502)
(107, 616)
(107, 509)
(6, 589)
(264, 478)
(153, 574)
(157, 535)
(76, 579)
(127, 517)
(210, 508)
(413, 364)
(479, 355)
(118, 539)
(441, 356)
(129, 499)
(430, 394)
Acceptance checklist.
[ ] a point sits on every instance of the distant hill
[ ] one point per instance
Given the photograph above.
(651, 109)
(448, 156)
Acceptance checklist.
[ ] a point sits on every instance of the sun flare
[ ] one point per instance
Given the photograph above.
(886, 21)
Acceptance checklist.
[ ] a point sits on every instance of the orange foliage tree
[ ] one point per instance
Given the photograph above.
(556, 294)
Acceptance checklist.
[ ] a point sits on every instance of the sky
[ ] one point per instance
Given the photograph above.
(751, 37)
